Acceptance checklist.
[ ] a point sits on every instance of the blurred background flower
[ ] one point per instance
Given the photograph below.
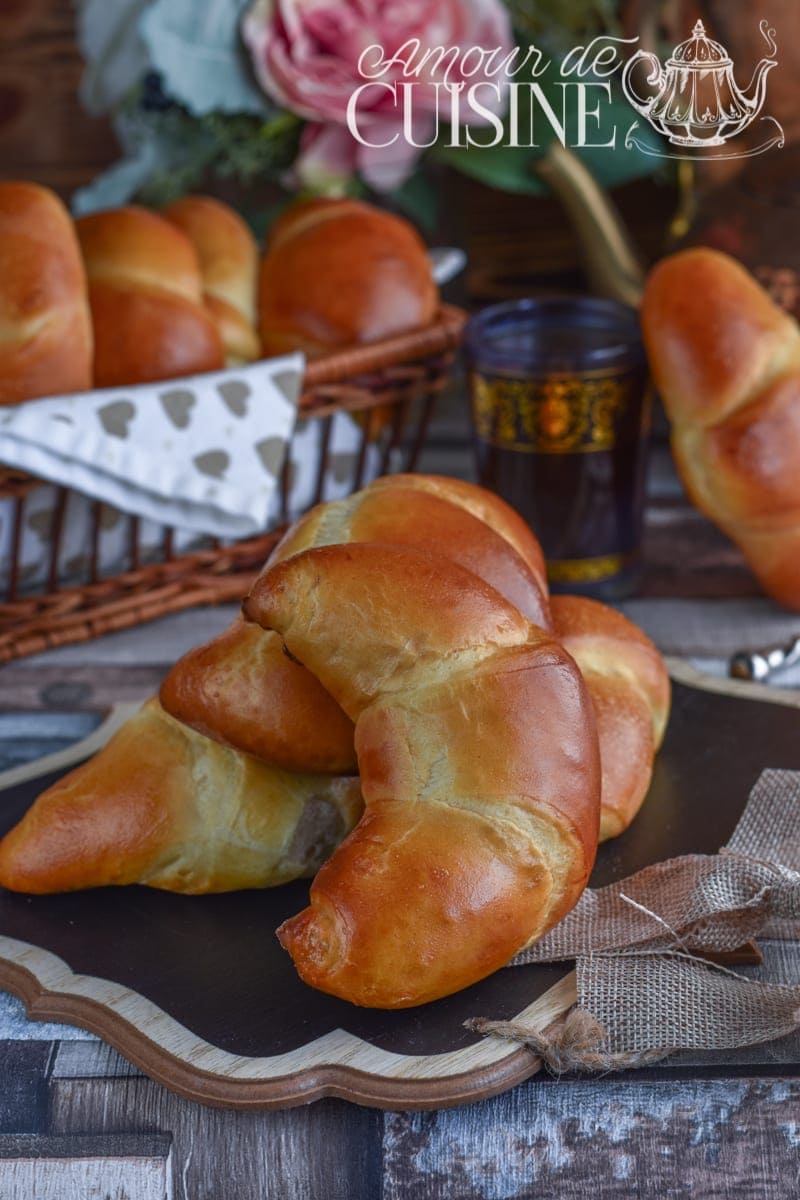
(306, 53)
(256, 91)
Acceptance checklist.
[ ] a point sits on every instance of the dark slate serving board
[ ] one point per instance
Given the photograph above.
(214, 964)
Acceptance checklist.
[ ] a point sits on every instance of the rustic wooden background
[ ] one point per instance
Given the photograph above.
(76, 1121)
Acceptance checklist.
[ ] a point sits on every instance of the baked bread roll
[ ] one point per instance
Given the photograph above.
(726, 361)
(164, 806)
(629, 686)
(146, 296)
(487, 507)
(45, 327)
(228, 257)
(242, 689)
(340, 272)
(479, 767)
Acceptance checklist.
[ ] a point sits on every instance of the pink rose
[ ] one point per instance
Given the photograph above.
(307, 56)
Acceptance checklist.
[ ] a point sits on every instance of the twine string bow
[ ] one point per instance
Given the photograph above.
(641, 991)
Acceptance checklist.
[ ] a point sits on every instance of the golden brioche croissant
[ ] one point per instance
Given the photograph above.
(164, 806)
(726, 361)
(629, 686)
(242, 689)
(479, 767)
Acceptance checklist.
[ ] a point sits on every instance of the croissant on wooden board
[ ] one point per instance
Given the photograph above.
(475, 732)
(726, 361)
(243, 690)
(479, 767)
(164, 806)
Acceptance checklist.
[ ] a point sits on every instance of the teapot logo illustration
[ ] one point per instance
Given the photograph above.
(697, 103)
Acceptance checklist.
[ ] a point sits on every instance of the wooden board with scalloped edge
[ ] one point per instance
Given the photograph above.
(197, 993)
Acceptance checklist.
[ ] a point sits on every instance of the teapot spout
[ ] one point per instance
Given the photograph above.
(756, 92)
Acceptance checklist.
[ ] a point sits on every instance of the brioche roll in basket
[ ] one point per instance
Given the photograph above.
(45, 324)
(146, 296)
(228, 258)
(340, 273)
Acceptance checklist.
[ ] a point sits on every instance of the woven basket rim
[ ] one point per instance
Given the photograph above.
(370, 381)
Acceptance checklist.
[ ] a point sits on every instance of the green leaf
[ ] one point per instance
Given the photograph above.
(418, 199)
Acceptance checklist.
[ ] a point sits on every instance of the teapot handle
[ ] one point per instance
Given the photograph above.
(656, 75)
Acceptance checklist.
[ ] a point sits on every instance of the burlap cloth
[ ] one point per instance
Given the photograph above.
(643, 988)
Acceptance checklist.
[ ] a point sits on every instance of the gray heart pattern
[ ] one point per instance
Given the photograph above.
(178, 404)
(203, 454)
(235, 394)
(271, 452)
(116, 417)
(288, 384)
(214, 463)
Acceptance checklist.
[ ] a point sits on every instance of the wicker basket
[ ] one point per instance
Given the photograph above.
(390, 386)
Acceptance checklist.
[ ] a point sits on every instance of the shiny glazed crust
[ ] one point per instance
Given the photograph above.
(340, 272)
(146, 298)
(479, 766)
(45, 326)
(164, 806)
(629, 686)
(242, 689)
(727, 363)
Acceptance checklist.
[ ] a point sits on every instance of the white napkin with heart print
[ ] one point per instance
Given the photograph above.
(202, 453)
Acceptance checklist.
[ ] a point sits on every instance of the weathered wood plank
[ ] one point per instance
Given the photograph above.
(25, 737)
(330, 1149)
(122, 1167)
(604, 1139)
(45, 134)
(23, 1086)
(90, 686)
(90, 1060)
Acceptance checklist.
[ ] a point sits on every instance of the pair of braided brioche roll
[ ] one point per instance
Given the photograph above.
(726, 361)
(171, 293)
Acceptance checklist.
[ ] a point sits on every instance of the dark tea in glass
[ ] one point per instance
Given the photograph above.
(561, 417)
